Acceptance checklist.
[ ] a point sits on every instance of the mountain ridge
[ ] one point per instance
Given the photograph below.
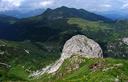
(36, 42)
(48, 21)
(20, 14)
(65, 12)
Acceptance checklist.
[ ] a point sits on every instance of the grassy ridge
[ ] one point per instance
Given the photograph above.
(90, 70)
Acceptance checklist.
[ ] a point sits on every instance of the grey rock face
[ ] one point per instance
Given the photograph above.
(125, 41)
(118, 48)
(77, 45)
(81, 45)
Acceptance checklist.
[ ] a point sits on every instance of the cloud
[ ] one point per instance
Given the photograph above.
(9, 4)
(24, 4)
(124, 6)
(13, 2)
(90, 5)
(106, 5)
(35, 4)
(101, 8)
(47, 3)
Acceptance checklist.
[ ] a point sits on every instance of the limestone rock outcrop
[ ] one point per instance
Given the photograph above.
(77, 45)
(125, 40)
(81, 45)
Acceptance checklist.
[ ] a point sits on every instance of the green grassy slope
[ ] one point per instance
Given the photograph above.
(108, 35)
(24, 57)
(48, 33)
(78, 69)
(93, 25)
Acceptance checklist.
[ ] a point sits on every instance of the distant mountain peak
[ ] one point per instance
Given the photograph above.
(63, 7)
(65, 12)
(23, 14)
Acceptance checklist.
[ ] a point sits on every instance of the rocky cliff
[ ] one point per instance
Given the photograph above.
(77, 45)
(118, 48)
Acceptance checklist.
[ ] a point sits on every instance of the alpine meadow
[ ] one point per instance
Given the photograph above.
(63, 41)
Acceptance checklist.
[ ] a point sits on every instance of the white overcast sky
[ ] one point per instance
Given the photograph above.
(90, 5)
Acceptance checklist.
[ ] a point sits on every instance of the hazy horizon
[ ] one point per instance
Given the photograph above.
(108, 8)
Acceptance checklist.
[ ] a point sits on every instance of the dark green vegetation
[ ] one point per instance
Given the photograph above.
(24, 57)
(33, 43)
(7, 19)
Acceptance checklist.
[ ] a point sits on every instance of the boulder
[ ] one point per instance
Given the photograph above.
(125, 40)
(78, 45)
(81, 45)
